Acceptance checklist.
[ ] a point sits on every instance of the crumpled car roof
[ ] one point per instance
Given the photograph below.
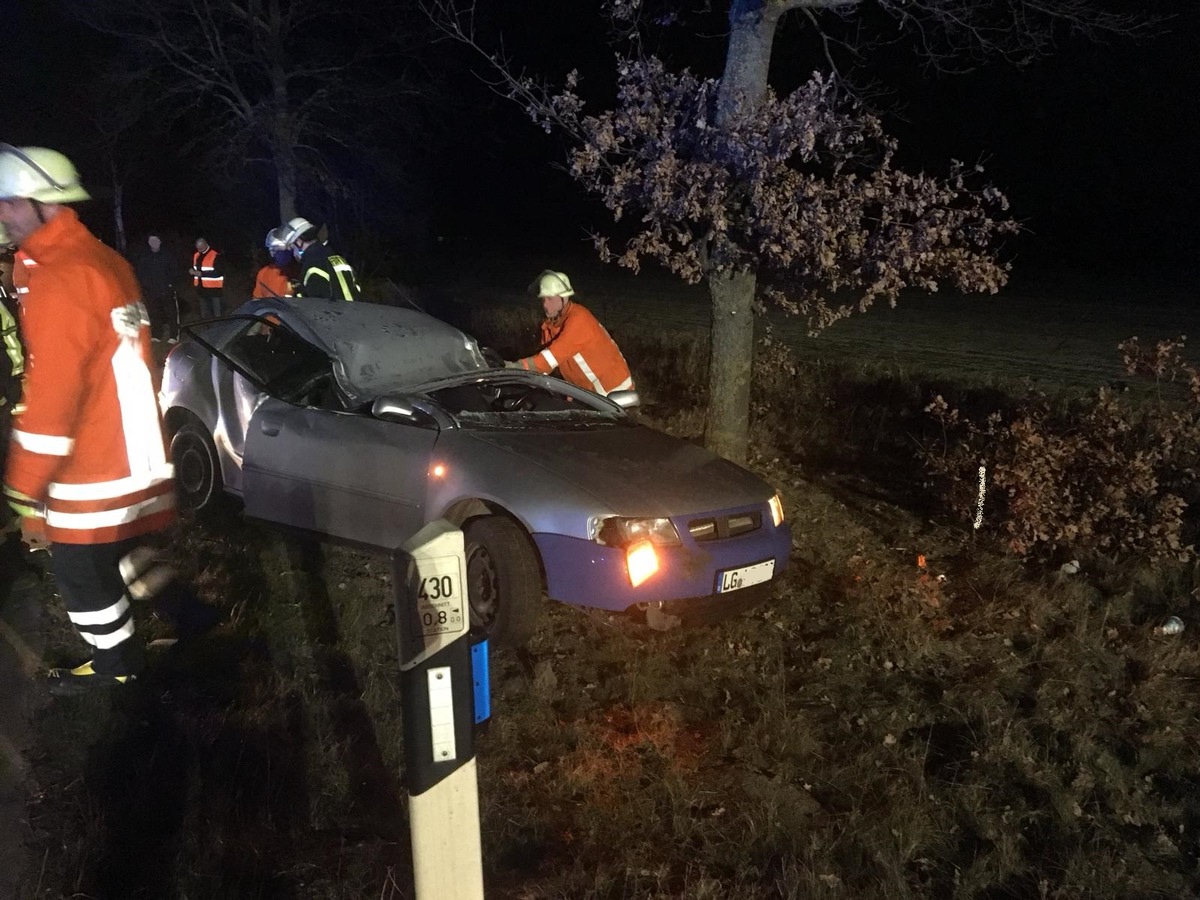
(376, 348)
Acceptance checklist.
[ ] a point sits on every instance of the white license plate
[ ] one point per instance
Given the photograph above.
(736, 579)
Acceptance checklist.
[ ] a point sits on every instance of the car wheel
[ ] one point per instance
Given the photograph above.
(504, 581)
(197, 468)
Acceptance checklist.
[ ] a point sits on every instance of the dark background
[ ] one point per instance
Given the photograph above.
(1096, 144)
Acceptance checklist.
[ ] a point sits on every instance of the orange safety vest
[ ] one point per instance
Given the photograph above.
(271, 281)
(208, 278)
(583, 352)
(89, 442)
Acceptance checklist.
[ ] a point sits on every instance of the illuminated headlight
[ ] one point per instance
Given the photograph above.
(776, 510)
(621, 532)
(642, 561)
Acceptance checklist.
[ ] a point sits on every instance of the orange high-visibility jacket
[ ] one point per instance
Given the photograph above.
(271, 281)
(580, 348)
(210, 277)
(89, 443)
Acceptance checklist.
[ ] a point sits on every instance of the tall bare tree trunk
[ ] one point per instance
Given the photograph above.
(285, 176)
(743, 86)
(122, 240)
(283, 140)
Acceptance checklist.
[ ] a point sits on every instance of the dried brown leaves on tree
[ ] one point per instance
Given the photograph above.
(804, 188)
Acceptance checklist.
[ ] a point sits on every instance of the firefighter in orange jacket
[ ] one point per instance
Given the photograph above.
(274, 279)
(87, 450)
(574, 342)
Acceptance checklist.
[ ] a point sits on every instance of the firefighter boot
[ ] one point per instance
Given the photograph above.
(81, 679)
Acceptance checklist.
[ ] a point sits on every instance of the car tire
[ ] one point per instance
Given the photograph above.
(198, 481)
(504, 580)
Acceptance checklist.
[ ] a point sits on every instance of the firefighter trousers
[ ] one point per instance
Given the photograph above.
(98, 603)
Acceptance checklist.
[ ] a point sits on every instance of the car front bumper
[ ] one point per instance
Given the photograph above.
(585, 573)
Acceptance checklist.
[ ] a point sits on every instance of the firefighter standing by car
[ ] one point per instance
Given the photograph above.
(574, 342)
(12, 370)
(87, 449)
(323, 275)
(274, 279)
(208, 278)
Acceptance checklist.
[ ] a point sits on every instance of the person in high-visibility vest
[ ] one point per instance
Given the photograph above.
(14, 559)
(323, 275)
(208, 278)
(87, 453)
(12, 365)
(574, 342)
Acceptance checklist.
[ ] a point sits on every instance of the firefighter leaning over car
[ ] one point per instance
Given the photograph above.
(323, 275)
(574, 342)
(208, 278)
(87, 449)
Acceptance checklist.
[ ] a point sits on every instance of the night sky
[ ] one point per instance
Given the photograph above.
(1096, 145)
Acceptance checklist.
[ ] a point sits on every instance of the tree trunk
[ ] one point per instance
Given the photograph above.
(122, 240)
(285, 175)
(743, 84)
(732, 356)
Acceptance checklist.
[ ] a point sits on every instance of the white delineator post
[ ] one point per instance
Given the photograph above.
(439, 708)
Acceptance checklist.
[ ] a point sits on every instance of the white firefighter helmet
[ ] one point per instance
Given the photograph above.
(294, 228)
(36, 173)
(553, 284)
(276, 238)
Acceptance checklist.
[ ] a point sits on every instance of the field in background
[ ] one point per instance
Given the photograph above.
(1049, 331)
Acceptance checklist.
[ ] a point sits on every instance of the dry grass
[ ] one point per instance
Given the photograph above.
(974, 728)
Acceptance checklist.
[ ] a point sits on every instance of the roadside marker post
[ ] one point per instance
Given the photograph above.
(444, 692)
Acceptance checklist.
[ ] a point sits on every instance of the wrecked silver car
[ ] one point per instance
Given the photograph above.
(361, 423)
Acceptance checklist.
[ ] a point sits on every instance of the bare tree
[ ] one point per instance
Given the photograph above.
(287, 83)
(119, 135)
(795, 198)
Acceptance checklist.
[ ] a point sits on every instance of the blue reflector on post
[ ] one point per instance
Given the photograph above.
(480, 675)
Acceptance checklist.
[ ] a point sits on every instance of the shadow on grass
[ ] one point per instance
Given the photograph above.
(375, 790)
(211, 777)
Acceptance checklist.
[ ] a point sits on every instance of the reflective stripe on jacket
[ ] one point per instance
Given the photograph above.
(210, 277)
(582, 350)
(88, 443)
(327, 276)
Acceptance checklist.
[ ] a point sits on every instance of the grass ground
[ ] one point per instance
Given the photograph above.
(973, 727)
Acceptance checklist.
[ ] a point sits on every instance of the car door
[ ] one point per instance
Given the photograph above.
(345, 475)
(305, 460)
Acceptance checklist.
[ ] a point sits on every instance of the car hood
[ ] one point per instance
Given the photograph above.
(635, 470)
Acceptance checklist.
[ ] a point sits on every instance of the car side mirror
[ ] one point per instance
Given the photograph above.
(625, 399)
(395, 407)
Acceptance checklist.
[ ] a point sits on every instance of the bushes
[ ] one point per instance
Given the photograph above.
(1106, 476)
